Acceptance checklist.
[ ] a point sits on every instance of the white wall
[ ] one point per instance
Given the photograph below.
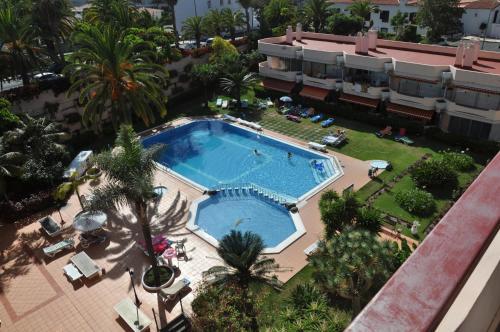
(472, 20)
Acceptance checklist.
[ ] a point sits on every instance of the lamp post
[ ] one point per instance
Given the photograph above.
(131, 273)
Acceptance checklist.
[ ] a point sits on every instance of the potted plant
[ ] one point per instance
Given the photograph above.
(166, 273)
(93, 173)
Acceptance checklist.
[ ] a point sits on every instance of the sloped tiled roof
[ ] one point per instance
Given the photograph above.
(467, 4)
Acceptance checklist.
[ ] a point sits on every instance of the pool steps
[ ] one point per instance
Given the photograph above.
(252, 188)
(319, 177)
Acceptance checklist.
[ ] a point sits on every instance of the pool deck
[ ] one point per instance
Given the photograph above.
(36, 296)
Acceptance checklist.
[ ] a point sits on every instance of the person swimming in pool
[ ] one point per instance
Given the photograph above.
(290, 155)
(256, 152)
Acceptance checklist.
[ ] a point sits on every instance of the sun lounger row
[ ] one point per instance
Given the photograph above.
(252, 125)
(317, 146)
(334, 140)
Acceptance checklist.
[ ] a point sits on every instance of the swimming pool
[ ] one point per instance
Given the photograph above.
(214, 216)
(212, 152)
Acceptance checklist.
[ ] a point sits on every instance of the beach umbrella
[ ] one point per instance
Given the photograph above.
(286, 99)
(89, 221)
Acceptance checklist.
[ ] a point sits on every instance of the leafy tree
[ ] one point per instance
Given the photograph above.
(17, 41)
(363, 9)
(205, 74)
(246, 4)
(337, 212)
(416, 201)
(459, 161)
(129, 169)
(110, 75)
(341, 24)
(39, 141)
(8, 120)
(193, 28)
(399, 21)
(222, 49)
(402, 253)
(353, 265)
(441, 17)
(279, 14)
(225, 307)
(10, 166)
(237, 82)
(53, 21)
(434, 173)
(171, 5)
(66, 188)
(213, 22)
(241, 253)
(317, 12)
(232, 21)
(369, 219)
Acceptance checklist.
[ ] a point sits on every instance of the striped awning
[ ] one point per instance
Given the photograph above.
(411, 112)
(314, 92)
(278, 85)
(359, 100)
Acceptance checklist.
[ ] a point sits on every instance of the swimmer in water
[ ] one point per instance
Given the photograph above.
(290, 155)
(256, 152)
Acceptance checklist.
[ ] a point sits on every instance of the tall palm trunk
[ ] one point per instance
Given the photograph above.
(247, 15)
(174, 25)
(146, 232)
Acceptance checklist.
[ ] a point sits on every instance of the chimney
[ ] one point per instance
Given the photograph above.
(372, 39)
(459, 55)
(477, 48)
(298, 32)
(361, 43)
(469, 52)
(289, 35)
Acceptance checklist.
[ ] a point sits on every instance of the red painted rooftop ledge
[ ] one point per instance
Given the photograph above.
(418, 295)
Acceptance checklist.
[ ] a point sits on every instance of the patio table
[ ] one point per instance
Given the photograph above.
(86, 265)
(132, 315)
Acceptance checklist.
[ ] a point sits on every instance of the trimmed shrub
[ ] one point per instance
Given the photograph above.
(459, 161)
(8, 120)
(434, 173)
(416, 201)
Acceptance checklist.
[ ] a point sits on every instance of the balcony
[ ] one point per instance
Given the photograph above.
(363, 90)
(289, 76)
(278, 49)
(459, 110)
(413, 101)
(324, 83)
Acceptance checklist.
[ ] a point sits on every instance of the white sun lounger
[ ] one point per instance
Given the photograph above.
(50, 226)
(317, 146)
(333, 140)
(52, 250)
(72, 272)
(230, 118)
(225, 104)
(132, 315)
(86, 265)
(218, 103)
(312, 248)
(171, 292)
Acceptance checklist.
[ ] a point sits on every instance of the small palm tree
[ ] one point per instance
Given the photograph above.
(114, 75)
(205, 74)
(337, 212)
(232, 21)
(242, 255)
(353, 264)
(65, 188)
(246, 4)
(10, 166)
(363, 9)
(317, 11)
(237, 82)
(116, 12)
(53, 21)
(17, 42)
(193, 28)
(129, 170)
(213, 22)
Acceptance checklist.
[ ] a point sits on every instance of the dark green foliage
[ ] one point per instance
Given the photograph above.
(337, 212)
(416, 201)
(459, 161)
(341, 24)
(8, 120)
(410, 34)
(369, 219)
(442, 17)
(434, 173)
(304, 294)
(402, 253)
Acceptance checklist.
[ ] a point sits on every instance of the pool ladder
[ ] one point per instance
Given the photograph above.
(252, 188)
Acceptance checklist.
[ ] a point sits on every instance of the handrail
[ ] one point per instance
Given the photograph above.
(278, 197)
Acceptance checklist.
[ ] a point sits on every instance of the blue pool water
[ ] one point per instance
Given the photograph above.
(219, 214)
(212, 152)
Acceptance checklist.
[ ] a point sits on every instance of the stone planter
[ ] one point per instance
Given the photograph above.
(93, 173)
(165, 284)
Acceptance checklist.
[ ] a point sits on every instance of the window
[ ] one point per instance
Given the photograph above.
(384, 16)
(228, 2)
(417, 88)
(209, 4)
(221, 3)
(495, 17)
(471, 128)
(474, 99)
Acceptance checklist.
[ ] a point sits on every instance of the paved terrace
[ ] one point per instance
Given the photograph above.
(36, 296)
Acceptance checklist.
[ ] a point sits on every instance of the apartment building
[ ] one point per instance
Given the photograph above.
(457, 89)
(480, 17)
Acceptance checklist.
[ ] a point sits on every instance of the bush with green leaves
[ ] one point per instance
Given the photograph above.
(434, 173)
(8, 120)
(416, 201)
(459, 161)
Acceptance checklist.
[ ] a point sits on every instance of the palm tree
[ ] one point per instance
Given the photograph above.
(317, 11)
(118, 12)
(205, 74)
(241, 254)
(17, 41)
(53, 22)
(10, 166)
(363, 8)
(110, 75)
(232, 21)
(369, 219)
(352, 265)
(337, 212)
(246, 4)
(193, 28)
(213, 22)
(237, 82)
(171, 5)
(129, 171)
